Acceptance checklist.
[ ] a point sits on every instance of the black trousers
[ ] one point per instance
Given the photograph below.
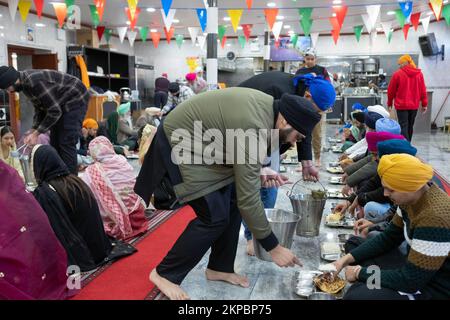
(406, 119)
(217, 227)
(65, 133)
(160, 99)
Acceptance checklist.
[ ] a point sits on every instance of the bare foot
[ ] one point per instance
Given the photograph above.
(171, 290)
(250, 248)
(232, 278)
(318, 163)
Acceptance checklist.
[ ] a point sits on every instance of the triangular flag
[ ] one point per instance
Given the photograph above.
(108, 34)
(100, 4)
(271, 17)
(168, 20)
(144, 33)
(12, 5)
(221, 32)
(39, 5)
(235, 16)
(201, 41)
(247, 29)
(61, 12)
(415, 20)
(400, 17)
(358, 30)
(335, 24)
(314, 38)
(122, 31)
(179, 38)
(94, 15)
(132, 5)
(406, 30)
(425, 23)
(389, 38)
(131, 37)
(446, 13)
(69, 5)
(24, 8)
(202, 18)
(223, 42)
(406, 7)
(367, 22)
(169, 34)
(294, 40)
(242, 41)
(373, 36)
(306, 26)
(387, 27)
(249, 4)
(277, 29)
(341, 12)
(436, 6)
(100, 31)
(156, 37)
(205, 3)
(133, 20)
(373, 12)
(305, 13)
(335, 34)
(193, 32)
(277, 43)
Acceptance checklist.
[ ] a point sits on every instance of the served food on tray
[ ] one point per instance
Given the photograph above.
(328, 283)
(289, 161)
(334, 217)
(335, 170)
(336, 180)
(337, 149)
(334, 164)
(319, 194)
(283, 169)
(335, 194)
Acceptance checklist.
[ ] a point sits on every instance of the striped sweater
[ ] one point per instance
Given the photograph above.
(426, 227)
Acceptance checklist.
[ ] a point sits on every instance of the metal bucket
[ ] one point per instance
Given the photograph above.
(310, 210)
(283, 224)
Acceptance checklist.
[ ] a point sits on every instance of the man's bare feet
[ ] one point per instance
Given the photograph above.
(232, 278)
(318, 164)
(171, 290)
(250, 248)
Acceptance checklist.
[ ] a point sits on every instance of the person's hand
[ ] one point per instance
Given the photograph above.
(309, 171)
(424, 110)
(353, 207)
(346, 190)
(342, 263)
(31, 138)
(351, 273)
(389, 108)
(361, 227)
(272, 179)
(284, 257)
(342, 207)
(344, 178)
(84, 132)
(343, 157)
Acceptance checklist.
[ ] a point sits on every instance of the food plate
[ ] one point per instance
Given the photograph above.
(283, 169)
(304, 283)
(336, 180)
(346, 223)
(334, 140)
(289, 161)
(337, 149)
(337, 170)
(334, 164)
(133, 156)
(329, 284)
(335, 194)
(330, 251)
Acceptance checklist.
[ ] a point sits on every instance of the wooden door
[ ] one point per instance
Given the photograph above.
(45, 61)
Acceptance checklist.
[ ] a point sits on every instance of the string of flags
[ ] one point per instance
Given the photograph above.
(404, 16)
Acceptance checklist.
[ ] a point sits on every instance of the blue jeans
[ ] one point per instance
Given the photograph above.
(374, 210)
(269, 198)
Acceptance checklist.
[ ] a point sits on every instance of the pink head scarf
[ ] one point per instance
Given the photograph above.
(373, 138)
(191, 77)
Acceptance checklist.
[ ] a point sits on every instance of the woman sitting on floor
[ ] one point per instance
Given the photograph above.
(112, 179)
(71, 209)
(8, 144)
(33, 262)
(424, 222)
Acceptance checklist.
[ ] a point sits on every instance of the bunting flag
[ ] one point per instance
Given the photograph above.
(335, 24)
(277, 44)
(294, 40)
(358, 31)
(436, 6)
(221, 31)
(24, 9)
(235, 16)
(166, 4)
(69, 5)
(242, 41)
(400, 17)
(314, 38)
(169, 34)
(247, 29)
(131, 37)
(179, 38)
(201, 41)
(168, 19)
(100, 32)
(389, 38)
(271, 17)
(387, 27)
(415, 20)
(406, 7)
(12, 6)
(223, 42)
(341, 12)
(406, 30)
(202, 18)
(306, 26)
(39, 5)
(335, 35)
(132, 6)
(133, 21)
(156, 37)
(373, 12)
(249, 4)
(100, 4)
(205, 3)
(144, 33)
(108, 34)
(61, 12)
(446, 13)
(367, 22)
(425, 23)
(277, 29)
(94, 15)
(305, 13)
(193, 33)
(122, 31)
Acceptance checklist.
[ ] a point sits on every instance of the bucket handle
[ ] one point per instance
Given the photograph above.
(289, 193)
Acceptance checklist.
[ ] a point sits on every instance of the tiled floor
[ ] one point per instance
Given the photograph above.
(267, 281)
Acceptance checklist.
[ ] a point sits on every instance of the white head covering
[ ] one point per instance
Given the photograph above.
(310, 52)
(380, 110)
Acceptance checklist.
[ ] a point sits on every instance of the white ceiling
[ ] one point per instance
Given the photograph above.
(114, 15)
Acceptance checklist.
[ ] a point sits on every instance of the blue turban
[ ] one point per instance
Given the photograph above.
(387, 125)
(124, 108)
(395, 146)
(322, 91)
(371, 119)
(359, 106)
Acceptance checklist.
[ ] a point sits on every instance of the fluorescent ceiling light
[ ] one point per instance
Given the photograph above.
(271, 4)
(151, 9)
(287, 26)
(280, 17)
(337, 1)
(227, 19)
(153, 30)
(176, 21)
(40, 25)
(391, 13)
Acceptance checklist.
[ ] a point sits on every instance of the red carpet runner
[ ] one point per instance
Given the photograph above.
(127, 279)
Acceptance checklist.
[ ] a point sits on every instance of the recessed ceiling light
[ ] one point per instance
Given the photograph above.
(240, 28)
(153, 30)
(334, 14)
(291, 32)
(228, 44)
(271, 4)
(227, 19)
(390, 13)
(41, 25)
(128, 22)
(287, 26)
(337, 1)
(151, 9)
(430, 13)
(176, 21)
(280, 17)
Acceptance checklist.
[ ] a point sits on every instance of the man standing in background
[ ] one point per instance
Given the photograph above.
(161, 91)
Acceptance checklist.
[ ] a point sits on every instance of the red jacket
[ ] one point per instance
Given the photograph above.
(407, 89)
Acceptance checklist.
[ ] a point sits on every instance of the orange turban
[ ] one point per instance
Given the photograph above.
(407, 58)
(90, 123)
(403, 172)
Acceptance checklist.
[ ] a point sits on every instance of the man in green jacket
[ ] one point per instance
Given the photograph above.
(212, 148)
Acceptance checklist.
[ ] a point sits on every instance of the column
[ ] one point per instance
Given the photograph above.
(266, 50)
(211, 44)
